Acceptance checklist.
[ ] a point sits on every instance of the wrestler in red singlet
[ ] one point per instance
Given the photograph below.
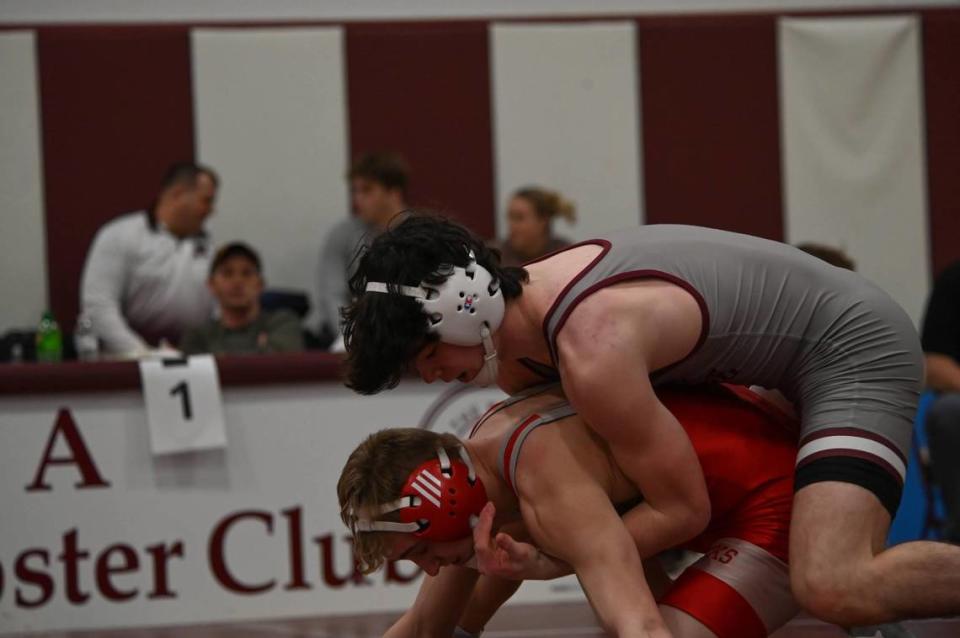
(747, 448)
(741, 587)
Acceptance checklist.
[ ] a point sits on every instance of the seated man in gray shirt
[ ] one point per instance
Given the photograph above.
(236, 281)
(378, 190)
(144, 280)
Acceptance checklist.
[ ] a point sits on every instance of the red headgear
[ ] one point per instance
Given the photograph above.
(440, 501)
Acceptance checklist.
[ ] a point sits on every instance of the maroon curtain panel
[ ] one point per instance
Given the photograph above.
(116, 109)
(423, 89)
(711, 126)
(941, 77)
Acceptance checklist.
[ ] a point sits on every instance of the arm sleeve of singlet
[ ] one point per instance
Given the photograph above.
(941, 323)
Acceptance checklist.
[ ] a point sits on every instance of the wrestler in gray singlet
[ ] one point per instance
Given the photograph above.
(835, 344)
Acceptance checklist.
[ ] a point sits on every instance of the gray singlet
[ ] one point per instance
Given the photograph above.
(831, 341)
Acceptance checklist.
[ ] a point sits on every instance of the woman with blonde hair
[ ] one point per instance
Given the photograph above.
(530, 216)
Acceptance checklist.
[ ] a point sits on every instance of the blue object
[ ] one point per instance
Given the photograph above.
(921, 504)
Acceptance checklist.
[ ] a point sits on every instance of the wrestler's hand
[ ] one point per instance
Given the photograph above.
(505, 557)
(501, 555)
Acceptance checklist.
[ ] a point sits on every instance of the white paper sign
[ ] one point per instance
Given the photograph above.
(184, 408)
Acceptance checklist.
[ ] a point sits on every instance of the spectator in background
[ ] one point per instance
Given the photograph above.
(236, 281)
(941, 346)
(378, 191)
(833, 256)
(144, 281)
(530, 216)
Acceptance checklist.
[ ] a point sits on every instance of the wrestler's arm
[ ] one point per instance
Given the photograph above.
(607, 381)
(492, 590)
(509, 555)
(489, 594)
(569, 515)
(438, 606)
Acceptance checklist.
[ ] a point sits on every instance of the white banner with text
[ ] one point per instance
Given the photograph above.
(96, 532)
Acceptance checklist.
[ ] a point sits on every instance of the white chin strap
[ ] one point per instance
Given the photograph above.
(491, 364)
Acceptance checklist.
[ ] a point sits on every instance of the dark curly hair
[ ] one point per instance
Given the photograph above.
(384, 332)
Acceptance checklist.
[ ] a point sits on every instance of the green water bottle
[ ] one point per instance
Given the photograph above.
(49, 339)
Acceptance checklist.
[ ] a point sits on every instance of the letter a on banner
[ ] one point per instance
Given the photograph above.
(184, 409)
(79, 455)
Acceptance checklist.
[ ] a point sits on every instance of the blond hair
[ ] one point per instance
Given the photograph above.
(374, 475)
(548, 203)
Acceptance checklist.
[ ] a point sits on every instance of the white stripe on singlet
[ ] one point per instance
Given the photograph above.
(857, 444)
(760, 577)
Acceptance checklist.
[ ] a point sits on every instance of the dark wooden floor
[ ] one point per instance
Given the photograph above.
(573, 620)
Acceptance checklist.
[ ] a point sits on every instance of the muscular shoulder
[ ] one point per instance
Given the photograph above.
(558, 454)
(604, 325)
(646, 322)
(543, 465)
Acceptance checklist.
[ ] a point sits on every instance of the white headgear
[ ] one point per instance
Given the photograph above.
(461, 307)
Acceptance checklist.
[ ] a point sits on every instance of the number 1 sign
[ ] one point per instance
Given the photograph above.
(184, 410)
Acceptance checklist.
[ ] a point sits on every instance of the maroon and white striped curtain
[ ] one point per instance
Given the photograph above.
(842, 129)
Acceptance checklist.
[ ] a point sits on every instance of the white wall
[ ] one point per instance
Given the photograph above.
(853, 150)
(270, 111)
(23, 274)
(565, 111)
(23, 11)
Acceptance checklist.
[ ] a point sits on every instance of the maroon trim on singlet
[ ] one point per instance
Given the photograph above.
(486, 415)
(508, 450)
(605, 248)
(637, 274)
(540, 369)
(563, 249)
(857, 454)
(857, 432)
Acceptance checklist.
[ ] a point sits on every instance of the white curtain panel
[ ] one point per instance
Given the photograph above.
(271, 118)
(565, 105)
(853, 151)
(23, 279)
